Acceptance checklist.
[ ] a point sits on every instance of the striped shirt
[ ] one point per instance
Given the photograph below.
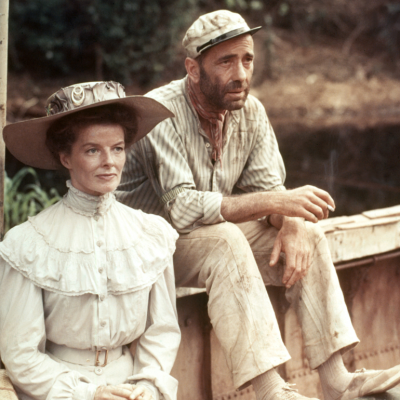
(170, 171)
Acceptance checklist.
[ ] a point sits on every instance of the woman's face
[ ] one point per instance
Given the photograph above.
(97, 158)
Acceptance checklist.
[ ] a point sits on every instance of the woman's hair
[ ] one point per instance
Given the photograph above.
(63, 133)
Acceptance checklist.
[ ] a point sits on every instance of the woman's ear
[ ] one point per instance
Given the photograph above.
(193, 69)
(65, 160)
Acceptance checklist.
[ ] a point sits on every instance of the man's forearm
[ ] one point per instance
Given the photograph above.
(251, 206)
(307, 202)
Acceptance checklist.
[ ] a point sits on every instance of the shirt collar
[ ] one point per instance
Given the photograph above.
(86, 204)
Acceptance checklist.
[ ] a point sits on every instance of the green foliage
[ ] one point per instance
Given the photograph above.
(19, 204)
(140, 40)
(119, 39)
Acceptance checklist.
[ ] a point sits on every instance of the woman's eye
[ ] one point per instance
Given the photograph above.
(119, 149)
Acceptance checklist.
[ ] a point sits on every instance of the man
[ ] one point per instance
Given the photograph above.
(187, 169)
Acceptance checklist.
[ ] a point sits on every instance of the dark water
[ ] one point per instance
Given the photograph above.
(360, 169)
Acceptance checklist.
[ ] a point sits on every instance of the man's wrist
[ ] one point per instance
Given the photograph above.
(292, 220)
(276, 220)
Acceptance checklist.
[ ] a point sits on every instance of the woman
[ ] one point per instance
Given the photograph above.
(87, 276)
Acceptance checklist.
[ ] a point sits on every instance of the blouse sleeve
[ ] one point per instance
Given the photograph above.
(157, 347)
(23, 341)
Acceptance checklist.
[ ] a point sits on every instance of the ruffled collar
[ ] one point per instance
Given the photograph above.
(61, 250)
(86, 204)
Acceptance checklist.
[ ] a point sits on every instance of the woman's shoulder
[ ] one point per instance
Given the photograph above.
(150, 223)
(56, 249)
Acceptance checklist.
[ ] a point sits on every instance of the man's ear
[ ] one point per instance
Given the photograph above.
(65, 160)
(192, 69)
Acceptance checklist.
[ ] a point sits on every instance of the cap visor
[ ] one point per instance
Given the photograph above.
(250, 31)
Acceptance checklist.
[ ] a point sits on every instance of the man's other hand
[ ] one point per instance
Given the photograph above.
(292, 240)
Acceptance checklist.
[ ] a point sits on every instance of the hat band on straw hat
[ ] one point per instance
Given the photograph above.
(83, 94)
(221, 38)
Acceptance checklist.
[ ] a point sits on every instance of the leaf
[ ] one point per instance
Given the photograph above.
(21, 203)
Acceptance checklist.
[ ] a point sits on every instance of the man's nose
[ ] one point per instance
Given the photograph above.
(240, 72)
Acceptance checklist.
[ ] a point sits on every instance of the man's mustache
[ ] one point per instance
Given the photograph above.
(235, 85)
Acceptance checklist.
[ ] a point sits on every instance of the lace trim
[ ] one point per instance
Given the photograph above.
(86, 196)
(147, 230)
(89, 214)
(75, 274)
(97, 204)
(69, 292)
(61, 250)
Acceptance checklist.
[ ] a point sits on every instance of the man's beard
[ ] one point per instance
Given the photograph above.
(215, 92)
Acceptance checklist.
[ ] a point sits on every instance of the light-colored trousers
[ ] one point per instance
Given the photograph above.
(232, 262)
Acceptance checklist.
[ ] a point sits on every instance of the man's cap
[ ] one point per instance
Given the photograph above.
(214, 28)
(26, 140)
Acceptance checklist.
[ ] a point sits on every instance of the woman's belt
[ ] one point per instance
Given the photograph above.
(98, 358)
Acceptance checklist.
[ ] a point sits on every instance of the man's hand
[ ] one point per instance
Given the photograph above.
(125, 391)
(292, 240)
(307, 202)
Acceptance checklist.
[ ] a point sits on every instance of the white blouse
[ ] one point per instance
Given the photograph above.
(88, 273)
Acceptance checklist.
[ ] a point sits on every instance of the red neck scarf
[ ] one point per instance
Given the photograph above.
(216, 121)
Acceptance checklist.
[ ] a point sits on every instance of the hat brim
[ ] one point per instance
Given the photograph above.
(250, 31)
(26, 140)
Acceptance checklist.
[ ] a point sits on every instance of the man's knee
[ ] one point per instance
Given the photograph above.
(211, 244)
(228, 233)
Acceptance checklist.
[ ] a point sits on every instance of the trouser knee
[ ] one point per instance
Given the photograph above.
(231, 253)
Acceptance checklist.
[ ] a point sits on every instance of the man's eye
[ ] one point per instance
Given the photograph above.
(92, 151)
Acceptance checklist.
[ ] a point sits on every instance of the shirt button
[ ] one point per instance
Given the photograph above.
(98, 371)
(102, 297)
(99, 243)
(96, 217)
(208, 145)
(103, 323)
(101, 270)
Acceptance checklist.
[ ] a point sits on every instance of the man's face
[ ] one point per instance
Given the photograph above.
(226, 71)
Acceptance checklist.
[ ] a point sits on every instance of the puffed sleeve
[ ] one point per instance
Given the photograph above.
(23, 340)
(157, 347)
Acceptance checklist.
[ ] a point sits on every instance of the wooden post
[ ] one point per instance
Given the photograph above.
(3, 101)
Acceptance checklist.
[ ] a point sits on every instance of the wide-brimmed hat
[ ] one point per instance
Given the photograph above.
(212, 29)
(26, 140)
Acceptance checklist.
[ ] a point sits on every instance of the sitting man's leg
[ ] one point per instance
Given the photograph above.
(319, 304)
(219, 258)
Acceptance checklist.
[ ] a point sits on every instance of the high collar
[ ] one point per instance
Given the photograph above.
(86, 204)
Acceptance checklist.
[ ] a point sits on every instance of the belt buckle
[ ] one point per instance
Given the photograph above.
(98, 363)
